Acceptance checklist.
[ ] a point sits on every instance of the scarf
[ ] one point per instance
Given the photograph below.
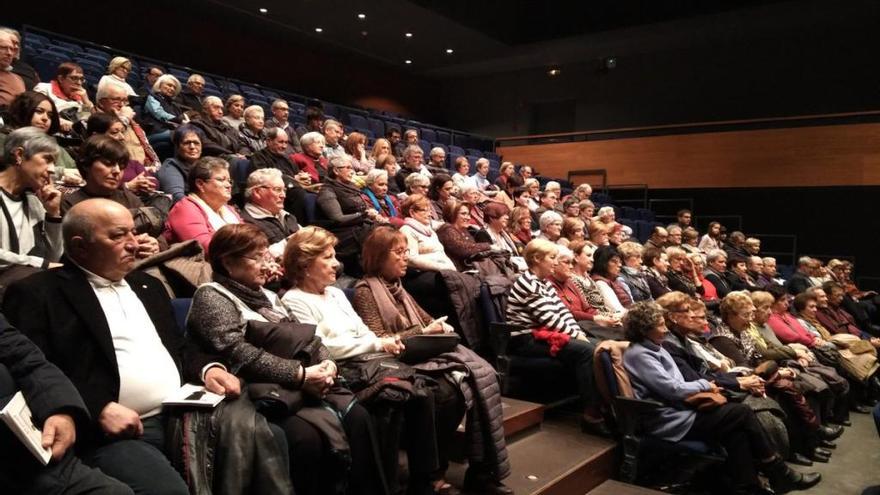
(419, 227)
(388, 296)
(56, 91)
(503, 240)
(744, 341)
(151, 156)
(619, 291)
(255, 299)
(392, 212)
(636, 281)
(217, 220)
(664, 281)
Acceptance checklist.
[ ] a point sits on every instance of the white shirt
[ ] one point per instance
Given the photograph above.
(147, 373)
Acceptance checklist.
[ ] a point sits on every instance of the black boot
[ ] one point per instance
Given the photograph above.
(477, 482)
(783, 479)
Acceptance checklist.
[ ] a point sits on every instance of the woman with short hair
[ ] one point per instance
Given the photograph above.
(118, 70)
(632, 272)
(161, 112)
(426, 252)
(520, 226)
(681, 274)
(573, 229)
(68, 93)
(458, 243)
(355, 147)
(655, 376)
(234, 114)
(173, 175)
(589, 318)
(606, 273)
(550, 227)
(375, 194)
(204, 210)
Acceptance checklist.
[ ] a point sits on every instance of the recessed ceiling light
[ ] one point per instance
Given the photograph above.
(264, 11)
(364, 33)
(407, 61)
(362, 16)
(319, 30)
(554, 72)
(408, 35)
(449, 50)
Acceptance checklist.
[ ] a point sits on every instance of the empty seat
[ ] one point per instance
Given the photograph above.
(475, 152)
(427, 134)
(628, 212)
(461, 140)
(645, 214)
(426, 147)
(179, 73)
(456, 150)
(377, 126)
(356, 120)
(73, 47)
(444, 137)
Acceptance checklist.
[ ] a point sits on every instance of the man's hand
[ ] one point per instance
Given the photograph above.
(221, 382)
(147, 245)
(59, 433)
(117, 420)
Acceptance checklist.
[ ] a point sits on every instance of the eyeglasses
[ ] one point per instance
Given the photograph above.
(77, 79)
(276, 189)
(401, 251)
(222, 180)
(260, 258)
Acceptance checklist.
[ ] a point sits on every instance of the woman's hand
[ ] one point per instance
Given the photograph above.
(752, 384)
(319, 379)
(51, 199)
(606, 321)
(392, 345)
(787, 373)
(141, 183)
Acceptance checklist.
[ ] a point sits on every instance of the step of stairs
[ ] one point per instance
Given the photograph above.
(612, 487)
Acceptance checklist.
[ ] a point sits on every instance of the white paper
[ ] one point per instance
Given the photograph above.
(17, 416)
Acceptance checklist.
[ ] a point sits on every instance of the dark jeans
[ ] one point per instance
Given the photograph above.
(140, 463)
(576, 355)
(734, 426)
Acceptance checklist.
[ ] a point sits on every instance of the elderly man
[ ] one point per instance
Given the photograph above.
(659, 238)
(547, 202)
(191, 96)
(769, 275)
(412, 163)
(332, 139)
(112, 98)
(265, 195)
(801, 279)
(57, 409)
(220, 138)
(312, 160)
(274, 156)
(11, 84)
(280, 113)
(27, 73)
(113, 333)
(755, 269)
(437, 159)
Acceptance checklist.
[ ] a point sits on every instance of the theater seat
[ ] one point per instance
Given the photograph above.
(181, 307)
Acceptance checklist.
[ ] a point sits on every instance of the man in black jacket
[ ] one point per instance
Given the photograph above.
(265, 195)
(113, 333)
(800, 280)
(56, 408)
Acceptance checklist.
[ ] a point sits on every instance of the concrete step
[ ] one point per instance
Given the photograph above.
(611, 487)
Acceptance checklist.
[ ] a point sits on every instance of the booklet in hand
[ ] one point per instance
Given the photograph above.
(191, 395)
(17, 416)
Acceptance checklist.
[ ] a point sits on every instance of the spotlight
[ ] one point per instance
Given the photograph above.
(264, 11)
(449, 51)
(362, 16)
(319, 30)
(408, 35)
(407, 62)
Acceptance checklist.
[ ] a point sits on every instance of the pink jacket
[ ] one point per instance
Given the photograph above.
(187, 220)
(789, 330)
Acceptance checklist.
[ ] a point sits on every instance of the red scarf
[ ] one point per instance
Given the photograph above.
(56, 90)
(556, 340)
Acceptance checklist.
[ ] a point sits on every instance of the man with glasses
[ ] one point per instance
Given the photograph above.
(112, 98)
(11, 84)
(265, 194)
(191, 96)
(280, 113)
(275, 156)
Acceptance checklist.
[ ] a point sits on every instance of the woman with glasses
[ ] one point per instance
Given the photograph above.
(117, 72)
(375, 195)
(344, 213)
(426, 252)
(187, 141)
(67, 92)
(204, 210)
(458, 243)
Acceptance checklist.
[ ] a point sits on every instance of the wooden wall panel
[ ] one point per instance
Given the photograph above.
(839, 155)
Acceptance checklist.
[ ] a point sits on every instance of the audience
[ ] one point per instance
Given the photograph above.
(502, 182)
(32, 109)
(190, 97)
(252, 133)
(520, 226)
(462, 171)
(388, 163)
(606, 273)
(375, 195)
(711, 239)
(425, 251)
(380, 147)
(203, 211)
(69, 95)
(656, 264)
(440, 193)
(458, 243)
(589, 319)
(220, 138)
(632, 273)
(355, 147)
(437, 159)
(118, 70)
(112, 98)
(275, 155)
(550, 227)
(161, 112)
(135, 177)
(716, 274)
(332, 139)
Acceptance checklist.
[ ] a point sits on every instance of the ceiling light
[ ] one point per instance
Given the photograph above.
(362, 16)
(264, 11)
(407, 61)
(319, 30)
(364, 33)
(408, 35)
(554, 72)
(449, 51)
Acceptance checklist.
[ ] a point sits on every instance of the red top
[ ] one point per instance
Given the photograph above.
(573, 299)
(311, 166)
(789, 330)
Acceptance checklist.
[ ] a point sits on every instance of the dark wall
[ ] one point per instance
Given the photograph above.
(217, 40)
(818, 69)
(828, 221)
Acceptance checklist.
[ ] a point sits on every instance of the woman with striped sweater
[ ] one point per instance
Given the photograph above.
(548, 327)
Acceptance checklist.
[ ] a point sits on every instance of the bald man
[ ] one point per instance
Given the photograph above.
(113, 333)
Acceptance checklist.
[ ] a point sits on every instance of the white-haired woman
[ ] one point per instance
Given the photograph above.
(550, 226)
(534, 187)
(117, 71)
(161, 112)
(252, 134)
(375, 194)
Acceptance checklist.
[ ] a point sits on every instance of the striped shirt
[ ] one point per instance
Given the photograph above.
(532, 303)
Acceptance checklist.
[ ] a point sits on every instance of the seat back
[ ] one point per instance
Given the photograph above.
(181, 307)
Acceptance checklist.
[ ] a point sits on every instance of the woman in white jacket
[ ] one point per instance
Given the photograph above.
(425, 250)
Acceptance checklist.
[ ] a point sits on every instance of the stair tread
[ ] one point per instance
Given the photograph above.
(612, 487)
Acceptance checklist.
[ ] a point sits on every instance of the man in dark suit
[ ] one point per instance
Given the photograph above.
(56, 408)
(800, 280)
(113, 333)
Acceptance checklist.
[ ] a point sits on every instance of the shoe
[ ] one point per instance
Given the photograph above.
(820, 455)
(829, 432)
(800, 460)
(841, 422)
(861, 409)
(479, 484)
(598, 428)
(826, 444)
(784, 479)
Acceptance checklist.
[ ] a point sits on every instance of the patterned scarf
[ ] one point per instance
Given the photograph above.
(255, 299)
(389, 296)
(743, 341)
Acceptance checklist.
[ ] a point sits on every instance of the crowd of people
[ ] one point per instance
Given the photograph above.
(316, 262)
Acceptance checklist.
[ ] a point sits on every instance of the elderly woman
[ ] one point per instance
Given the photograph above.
(682, 275)
(549, 328)
(458, 243)
(708, 294)
(388, 310)
(657, 271)
(204, 210)
(503, 181)
(598, 233)
(286, 365)
(597, 324)
(426, 252)
(655, 376)
(587, 210)
(550, 227)
(161, 112)
(496, 233)
(689, 240)
(440, 192)
(606, 274)
(711, 240)
(632, 273)
(68, 94)
(101, 162)
(716, 267)
(173, 174)
(31, 224)
(571, 207)
(117, 72)
(343, 209)
(234, 111)
(252, 133)
(573, 229)
(32, 109)
(534, 187)
(417, 183)
(738, 275)
(462, 173)
(375, 195)
(520, 226)
(388, 163)
(312, 160)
